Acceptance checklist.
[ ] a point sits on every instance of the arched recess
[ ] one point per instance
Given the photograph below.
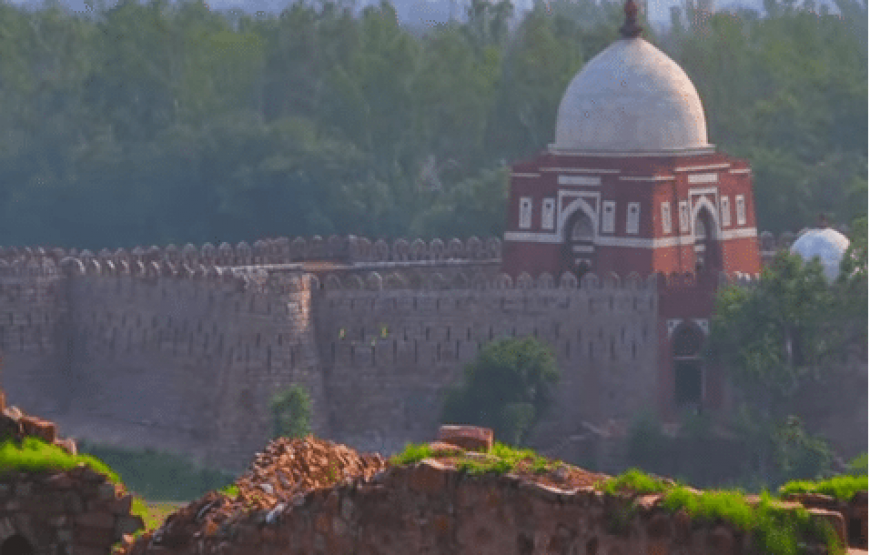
(686, 344)
(705, 228)
(16, 545)
(579, 231)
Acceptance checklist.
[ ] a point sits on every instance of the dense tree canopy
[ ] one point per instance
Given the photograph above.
(507, 387)
(156, 122)
(792, 331)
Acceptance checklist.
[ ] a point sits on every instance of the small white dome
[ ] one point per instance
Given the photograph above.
(631, 98)
(829, 245)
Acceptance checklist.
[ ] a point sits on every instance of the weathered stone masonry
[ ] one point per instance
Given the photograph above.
(181, 349)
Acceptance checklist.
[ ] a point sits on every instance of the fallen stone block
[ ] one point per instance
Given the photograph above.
(471, 438)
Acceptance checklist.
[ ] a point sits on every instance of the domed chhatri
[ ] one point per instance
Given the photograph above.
(631, 98)
(826, 244)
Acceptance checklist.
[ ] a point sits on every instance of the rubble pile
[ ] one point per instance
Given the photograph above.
(291, 467)
(281, 475)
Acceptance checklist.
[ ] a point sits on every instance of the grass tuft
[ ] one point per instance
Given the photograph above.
(634, 480)
(34, 455)
(501, 459)
(839, 487)
(776, 530)
(413, 453)
(231, 491)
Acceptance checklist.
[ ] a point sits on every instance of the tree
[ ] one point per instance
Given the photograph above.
(291, 412)
(782, 335)
(774, 335)
(507, 388)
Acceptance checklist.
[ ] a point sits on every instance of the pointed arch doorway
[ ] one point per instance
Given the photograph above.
(707, 251)
(579, 243)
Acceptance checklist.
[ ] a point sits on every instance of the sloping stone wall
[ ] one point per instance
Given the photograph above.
(432, 509)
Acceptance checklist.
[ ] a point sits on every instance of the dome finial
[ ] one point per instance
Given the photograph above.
(630, 29)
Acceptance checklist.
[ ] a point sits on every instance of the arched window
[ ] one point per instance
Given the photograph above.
(582, 229)
(580, 243)
(706, 245)
(16, 545)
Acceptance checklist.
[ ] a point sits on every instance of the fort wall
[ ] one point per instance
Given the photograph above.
(187, 365)
(181, 349)
(33, 325)
(388, 355)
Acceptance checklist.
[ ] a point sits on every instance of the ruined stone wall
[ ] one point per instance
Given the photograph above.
(433, 509)
(76, 511)
(389, 352)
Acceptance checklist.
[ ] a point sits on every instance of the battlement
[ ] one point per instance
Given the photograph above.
(224, 262)
(436, 281)
(283, 250)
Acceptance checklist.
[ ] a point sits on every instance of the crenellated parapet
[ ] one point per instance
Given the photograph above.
(286, 250)
(437, 281)
(264, 252)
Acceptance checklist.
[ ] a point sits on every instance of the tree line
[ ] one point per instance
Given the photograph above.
(157, 122)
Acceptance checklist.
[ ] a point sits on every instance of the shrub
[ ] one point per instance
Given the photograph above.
(291, 412)
(506, 388)
(646, 441)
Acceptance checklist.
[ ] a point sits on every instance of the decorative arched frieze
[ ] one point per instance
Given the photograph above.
(546, 281)
(590, 281)
(332, 282)
(525, 281)
(502, 281)
(395, 281)
(353, 282)
(419, 250)
(401, 250)
(381, 251)
(437, 249)
(455, 249)
(568, 281)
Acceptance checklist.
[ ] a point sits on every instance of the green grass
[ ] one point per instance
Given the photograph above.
(776, 530)
(34, 455)
(501, 459)
(159, 476)
(231, 490)
(153, 513)
(413, 453)
(636, 481)
(839, 487)
(711, 506)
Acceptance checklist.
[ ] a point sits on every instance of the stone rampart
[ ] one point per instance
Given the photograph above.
(188, 365)
(388, 353)
(33, 325)
(182, 348)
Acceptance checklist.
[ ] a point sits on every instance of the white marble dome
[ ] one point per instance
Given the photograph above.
(631, 98)
(829, 245)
